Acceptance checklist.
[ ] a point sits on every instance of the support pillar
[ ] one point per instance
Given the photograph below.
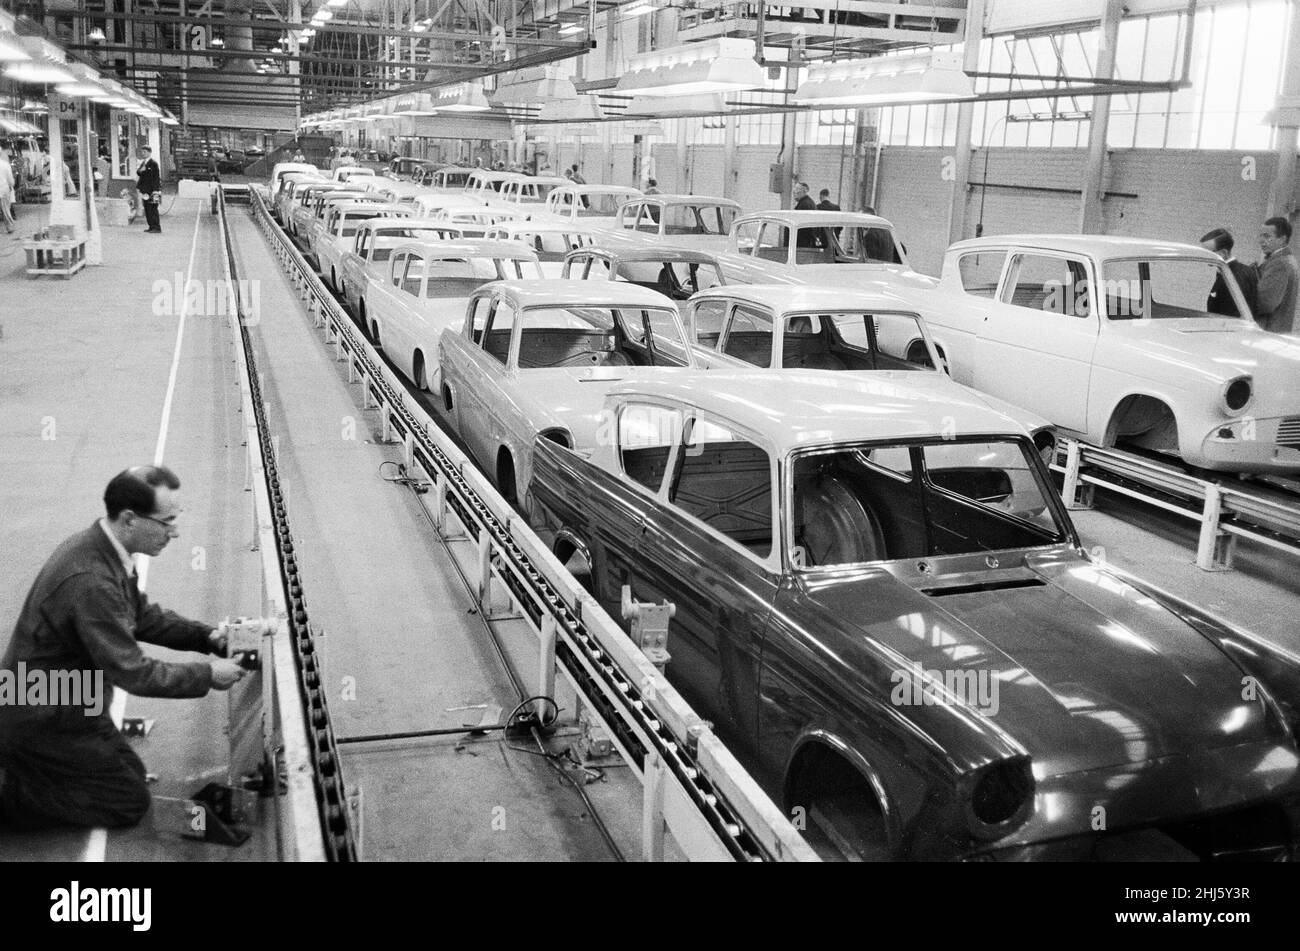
(1092, 211)
(965, 122)
(1286, 121)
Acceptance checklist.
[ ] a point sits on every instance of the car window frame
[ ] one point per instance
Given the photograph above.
(1005, 250)
(1011, 274)
(660, 493)
(726, 304)
(690, 414)
(760, 310)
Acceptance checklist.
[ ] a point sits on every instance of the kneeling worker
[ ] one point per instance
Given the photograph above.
(62, 761)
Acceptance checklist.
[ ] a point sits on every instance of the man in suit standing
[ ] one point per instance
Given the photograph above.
(1279, 278)
(1220, 301)
(148, 184)
(825, 204)
(62, 760)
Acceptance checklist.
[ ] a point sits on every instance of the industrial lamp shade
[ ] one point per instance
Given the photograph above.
(721, 65)
(40, 71)
(11, 48)
(887, 80)
(462, 97)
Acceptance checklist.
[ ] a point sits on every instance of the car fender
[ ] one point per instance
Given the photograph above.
(1098, 424)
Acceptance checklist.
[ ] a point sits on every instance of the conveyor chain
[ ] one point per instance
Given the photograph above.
(604, 686)
(331, 799)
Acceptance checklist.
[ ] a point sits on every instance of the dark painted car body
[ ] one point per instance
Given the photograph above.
(1131, 721)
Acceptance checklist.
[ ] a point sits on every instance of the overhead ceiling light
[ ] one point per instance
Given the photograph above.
(582, 108)
(34, 105)
(96, 35)
(308, 33)
(11, 48)
(657, 106)
(640, 8)
(721, 65)
(43, 70)
(322, 15)
(879, 80)
(414, 104)
(537, 84)
(461, 97)
(336, 3)
(421, 25)
(85, 82)
(571, 29)
(216, 42)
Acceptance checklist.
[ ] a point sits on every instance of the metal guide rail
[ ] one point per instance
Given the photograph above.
(314, 824)
(1225, 512)
(692, 785)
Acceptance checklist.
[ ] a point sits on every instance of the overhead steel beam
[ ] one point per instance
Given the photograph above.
(334, 26)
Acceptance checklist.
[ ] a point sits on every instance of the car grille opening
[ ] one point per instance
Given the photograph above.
(1288, 431)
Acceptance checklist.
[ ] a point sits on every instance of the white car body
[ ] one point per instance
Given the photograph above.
(406, 169)
(346, 173)
(432, 203)
(284, 168)
(306, 203)
(551, 242)
(686, 221)
(566, 343)
(311, 233)
(1150, 369)
(592, 206)
(395, 191)
(484, 185)
(339, 234)
(477, 222)
(372, 248)
(282, 198)
(528, 193)
(674, 272)
(819, 248)
(424, 290)
(788, 327)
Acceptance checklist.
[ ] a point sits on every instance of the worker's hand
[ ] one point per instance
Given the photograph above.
(217, 643)
(226, 673)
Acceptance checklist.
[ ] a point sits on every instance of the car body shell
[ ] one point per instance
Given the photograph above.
(551, 240)
(282, 201)
(407, 322)
(403, 168)
(346, 173)
(281, 169)
(751, 257)
(398, 191)
(1112, 695)
(338, 233)
(592, 206)
(372, 246)
(528, 193)
(686, 221)
(650, 264)
(450, 179)
(310, 232)
(1090, 373)
(498, 408)
(306, 203)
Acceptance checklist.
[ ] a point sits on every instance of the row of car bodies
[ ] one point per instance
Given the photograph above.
(880, 601)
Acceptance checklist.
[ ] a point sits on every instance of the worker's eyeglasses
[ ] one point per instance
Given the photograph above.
(167, 523)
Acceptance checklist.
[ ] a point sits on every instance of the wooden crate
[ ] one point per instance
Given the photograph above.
(55, 256)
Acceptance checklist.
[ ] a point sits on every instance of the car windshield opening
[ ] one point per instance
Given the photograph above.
(1169, 289)
(917, 499)
(600, 336)
(851, 244)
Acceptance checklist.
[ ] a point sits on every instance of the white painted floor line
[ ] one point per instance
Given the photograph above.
(97, 842)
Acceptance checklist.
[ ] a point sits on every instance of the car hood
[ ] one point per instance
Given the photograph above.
(1090, 673)
(1214, 348)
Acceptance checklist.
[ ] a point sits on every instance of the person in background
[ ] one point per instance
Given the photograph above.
(802, 201)
(64, 761)
(825, 204)
(1220, 300)
(149, 186)
(576, 177)
(1279, 278)
(652, 187)
(7, 189)
(298, 156)
(103, 170)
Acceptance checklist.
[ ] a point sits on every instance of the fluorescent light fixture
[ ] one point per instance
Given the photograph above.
(336, 3)
(421, 25)
(658, 106)
(323, 15)
(461, 97)
(640, 8)
(43, 70)
(721, 65)
(34, 105)
(308, 33)
(217, 42)
(582, 108)
(11, 48)
(96, 35)
(537, 84)
(413, 104)
(882, 80)
(571, 29)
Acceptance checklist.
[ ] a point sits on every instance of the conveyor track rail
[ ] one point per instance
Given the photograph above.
(332, 803)
(1224, 512)
(692, 784)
